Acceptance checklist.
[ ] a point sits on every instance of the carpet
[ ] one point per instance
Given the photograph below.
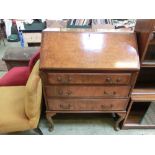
(94, 125)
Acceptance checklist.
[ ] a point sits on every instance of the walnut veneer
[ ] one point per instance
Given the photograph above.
(67, 50)
(88, 72)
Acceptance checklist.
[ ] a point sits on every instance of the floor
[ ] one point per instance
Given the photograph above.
(76, 124)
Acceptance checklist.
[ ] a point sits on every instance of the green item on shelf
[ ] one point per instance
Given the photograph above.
(35, 26)
(13, 38)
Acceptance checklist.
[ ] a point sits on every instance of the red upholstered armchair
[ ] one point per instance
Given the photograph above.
(18, 76)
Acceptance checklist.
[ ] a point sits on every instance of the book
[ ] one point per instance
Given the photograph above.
(72, 20)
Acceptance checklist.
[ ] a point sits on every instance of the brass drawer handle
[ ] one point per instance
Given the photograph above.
(108, 79)
(67, 106)
(69, 92)
(60, 92)
(114, 93)
(105, 92)
(59, 78)
(119, 80)
(69, 79)
(106, 106)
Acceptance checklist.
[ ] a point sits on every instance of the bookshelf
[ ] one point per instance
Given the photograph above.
(95, 25)
(143, 95)
(146, 41)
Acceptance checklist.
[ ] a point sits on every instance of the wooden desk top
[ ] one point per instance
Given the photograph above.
(89, 51)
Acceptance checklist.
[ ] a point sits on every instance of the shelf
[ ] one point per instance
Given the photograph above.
(149, 58)
(78, 26)
(141, 111)
(141, 116)
(143, 94)
(138, 114)
(148, 63)
(135, 117)
(143, 91)
(142, 102)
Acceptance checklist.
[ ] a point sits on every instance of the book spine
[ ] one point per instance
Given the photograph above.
(71, 23)
(81, 22)
(74, 21)
(85, 21)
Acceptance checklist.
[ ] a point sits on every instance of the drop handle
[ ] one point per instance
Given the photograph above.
(63, 106)
(106, 106)
(108, 80)
(59, 78)
(60, 92)
(69, 92)
(69, 79)
(118, 80)
(105, 93)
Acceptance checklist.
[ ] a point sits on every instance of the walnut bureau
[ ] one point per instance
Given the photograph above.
(88, 72)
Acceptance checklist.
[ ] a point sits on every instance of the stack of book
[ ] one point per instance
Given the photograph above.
(102, 21)
(117, 23)
(124, 23)
(79, 23)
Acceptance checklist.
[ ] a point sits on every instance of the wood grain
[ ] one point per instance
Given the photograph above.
(99, 51)
(89, 78)
(87, 104)
(87, 91)
(144, 94)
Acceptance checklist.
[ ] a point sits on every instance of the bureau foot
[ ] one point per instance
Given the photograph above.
(114, 116)
(120, 119)
(50, 121)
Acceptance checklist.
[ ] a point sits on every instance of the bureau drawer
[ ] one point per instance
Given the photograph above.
(87, 91)
(88, 78)
(87, 104)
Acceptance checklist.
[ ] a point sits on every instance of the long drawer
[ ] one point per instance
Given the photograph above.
(87, 104)
(89, 78)
(87, 91)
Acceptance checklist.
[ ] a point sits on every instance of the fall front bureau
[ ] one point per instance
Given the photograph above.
(88, 72)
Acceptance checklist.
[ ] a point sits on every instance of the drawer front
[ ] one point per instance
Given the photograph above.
(32, 37)
(87, 91)
(88, 78)
(87, 104)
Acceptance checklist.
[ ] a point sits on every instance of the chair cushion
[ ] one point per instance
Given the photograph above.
(17, 76)
(12, 111)
(34, 59)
